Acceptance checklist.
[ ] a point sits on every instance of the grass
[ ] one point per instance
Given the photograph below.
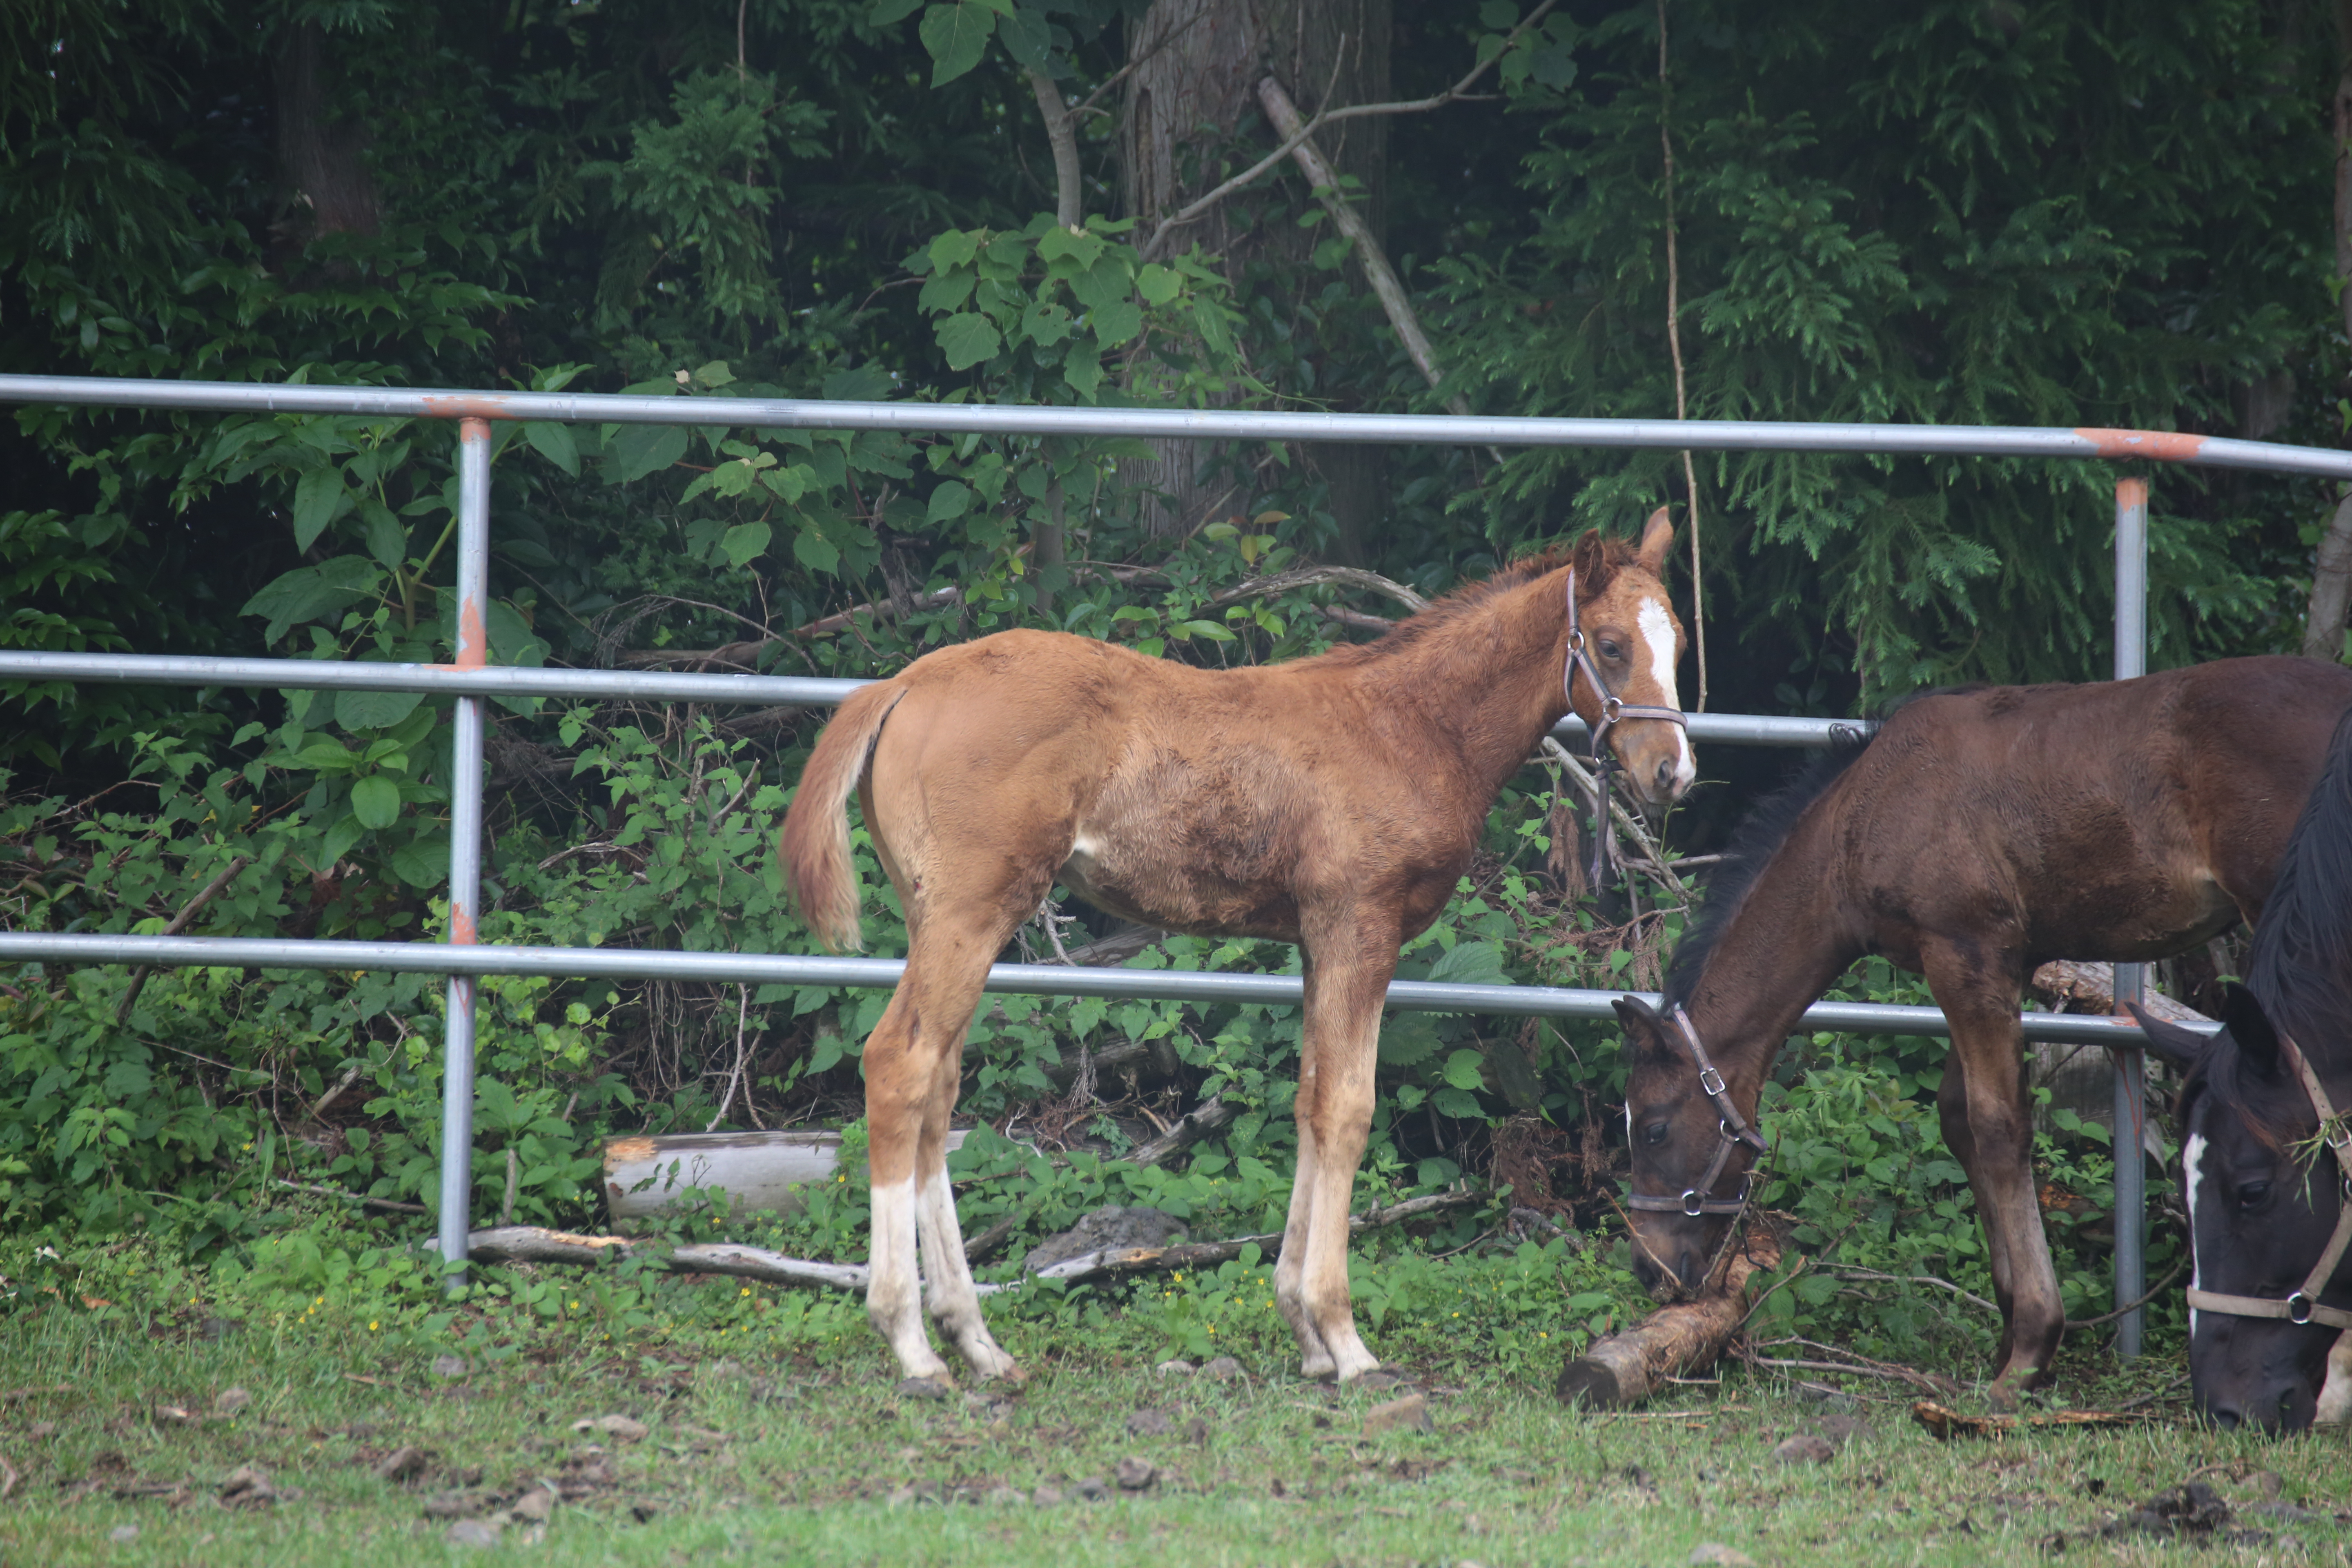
(817, 1457)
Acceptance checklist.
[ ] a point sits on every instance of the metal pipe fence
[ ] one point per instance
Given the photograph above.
(471, 678)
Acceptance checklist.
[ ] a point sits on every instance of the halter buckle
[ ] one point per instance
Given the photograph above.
(1694, 1202)
(1576, 639)
(1714, 1089)
(2298, 1308)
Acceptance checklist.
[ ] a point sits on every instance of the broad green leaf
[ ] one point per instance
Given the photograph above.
(341, 837)
(386, 539)
(1115, 322)
(642, 449)
(1083, 248)
(945, 291)
(815, 552)
(950, 502)
(1471, 963)
(715, 373)
(552, 439)
(1407, 1038)
(1102, 285)
(1466, 1069)
(1158, 285)
(1457, 1103)
(790, 483)
(744, 541)
(375, 801)
(1027, 36)
(313, 592)
(423, 864)
(1499, 15)
(967, 338)
(320, 498)
(374, 709)
(954, 248)
(1045, 323)
(956, 36)
(1082, 365)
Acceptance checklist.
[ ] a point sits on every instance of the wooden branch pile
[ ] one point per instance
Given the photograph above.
(535, 1244)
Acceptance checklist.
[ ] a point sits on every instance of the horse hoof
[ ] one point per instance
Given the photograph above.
(2002, 1398)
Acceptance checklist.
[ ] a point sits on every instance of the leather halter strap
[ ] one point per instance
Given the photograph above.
(2303, 1305)
(1613, 710)
(1700, 1199)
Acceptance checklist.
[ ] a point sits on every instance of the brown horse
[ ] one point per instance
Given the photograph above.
(1332, 802)
(1975, 837)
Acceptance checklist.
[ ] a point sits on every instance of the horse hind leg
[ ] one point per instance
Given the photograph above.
(1289, 1270)
(951, 1296)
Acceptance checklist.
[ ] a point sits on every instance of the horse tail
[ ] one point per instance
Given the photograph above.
(814, 845)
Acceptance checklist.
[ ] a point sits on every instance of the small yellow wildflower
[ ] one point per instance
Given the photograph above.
(371, 1327)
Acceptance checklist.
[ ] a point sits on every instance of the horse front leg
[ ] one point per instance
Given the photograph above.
(1988, 1124)
(1345, 990)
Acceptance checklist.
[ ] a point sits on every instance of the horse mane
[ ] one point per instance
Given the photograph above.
(1605, 557)
(1754, 842)
(2300, 970)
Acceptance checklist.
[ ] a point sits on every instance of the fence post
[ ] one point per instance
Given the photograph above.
(465, 841)
(2131, 1061)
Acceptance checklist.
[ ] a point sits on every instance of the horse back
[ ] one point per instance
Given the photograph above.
(2115, 819)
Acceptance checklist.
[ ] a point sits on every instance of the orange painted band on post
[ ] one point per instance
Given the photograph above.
(2131, 492)
(468, 405)
(2154, 445)
(473, 629)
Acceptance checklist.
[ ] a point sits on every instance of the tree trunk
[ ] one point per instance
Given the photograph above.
(321, 157)
(1673, 1342)
(2331, 576)
(1193, 116)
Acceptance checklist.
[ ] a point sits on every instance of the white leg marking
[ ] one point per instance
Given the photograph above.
(1658, 631)
(948, 1279)
(890, 1289)
(2192, 1159)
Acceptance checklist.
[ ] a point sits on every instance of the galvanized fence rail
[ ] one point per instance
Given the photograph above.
(471, 678)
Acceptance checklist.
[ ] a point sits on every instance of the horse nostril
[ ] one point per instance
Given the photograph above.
(1667, 778)
(2226, 1416)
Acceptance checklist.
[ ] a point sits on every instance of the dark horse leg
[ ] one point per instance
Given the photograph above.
(1988, 1124)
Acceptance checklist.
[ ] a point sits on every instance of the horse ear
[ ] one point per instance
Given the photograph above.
(2176, 1045)
(1638, 1017)
(2249, 1026)
(1657, 537)
(1590, 560)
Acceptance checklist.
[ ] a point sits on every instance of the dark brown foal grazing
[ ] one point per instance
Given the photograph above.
(1976, 836)
(1332, 802)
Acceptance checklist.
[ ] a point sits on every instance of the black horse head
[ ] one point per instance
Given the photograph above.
(2261, 1208)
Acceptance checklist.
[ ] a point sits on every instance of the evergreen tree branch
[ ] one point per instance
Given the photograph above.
(1674, 347)
(2331, 575)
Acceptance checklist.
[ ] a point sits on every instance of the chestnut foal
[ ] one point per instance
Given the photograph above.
(1332, 802)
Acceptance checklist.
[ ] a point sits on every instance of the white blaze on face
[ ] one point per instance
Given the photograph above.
(2193, 1163)
(1658, 632)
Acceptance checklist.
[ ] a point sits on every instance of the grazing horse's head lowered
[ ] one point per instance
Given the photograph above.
(2266, 1154)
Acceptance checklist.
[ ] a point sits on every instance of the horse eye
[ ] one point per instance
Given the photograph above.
(2252, 1194)
(1655, 1133)
(1611, 650)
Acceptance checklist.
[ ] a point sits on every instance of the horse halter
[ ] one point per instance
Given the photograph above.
(2302, 1306)
(1613, 710)
(1701, 1199)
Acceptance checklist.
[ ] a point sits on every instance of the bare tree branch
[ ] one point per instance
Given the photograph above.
(1459, 93)
(1062, 132)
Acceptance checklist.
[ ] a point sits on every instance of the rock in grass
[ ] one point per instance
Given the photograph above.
(247, 1487)
(1805, 1448)
(1720, 1555)
(1094, 1488)
(123, 1534)
(1409, 1414)
(474, 1532)
(533, 1506)
(1148, 1424)
(621, 1426)
(1175, 1368)
(1222, 1368)
(448, 1366)
(1046, 1497)
(401, 1464)
(230, 1401)
(1133, 1474)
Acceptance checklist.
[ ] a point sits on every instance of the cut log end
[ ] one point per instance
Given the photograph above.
(1679, 1341)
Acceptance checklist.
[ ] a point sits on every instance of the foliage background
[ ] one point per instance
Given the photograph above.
(2077, 213)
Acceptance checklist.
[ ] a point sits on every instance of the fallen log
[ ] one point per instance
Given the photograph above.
(1948, 1424)
(536, 1244)
(1679, 1341)
(758, 1171)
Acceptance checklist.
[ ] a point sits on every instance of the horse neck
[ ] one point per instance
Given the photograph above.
(1488, 684)
(1788, 939)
